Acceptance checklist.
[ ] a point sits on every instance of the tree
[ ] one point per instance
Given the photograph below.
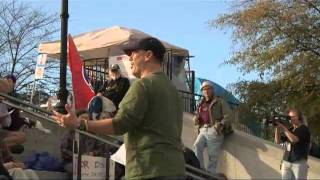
(22, 28)
(280, 40)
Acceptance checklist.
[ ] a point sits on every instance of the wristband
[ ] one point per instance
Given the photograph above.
(86, 124)
(83, 126)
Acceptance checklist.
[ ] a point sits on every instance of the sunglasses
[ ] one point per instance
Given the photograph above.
(206, 88)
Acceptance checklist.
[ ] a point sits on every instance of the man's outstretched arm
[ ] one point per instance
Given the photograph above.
(70, 120)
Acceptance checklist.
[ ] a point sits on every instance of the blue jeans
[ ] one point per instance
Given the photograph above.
(208, 137)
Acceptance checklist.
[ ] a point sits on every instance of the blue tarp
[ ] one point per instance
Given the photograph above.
(218, 90)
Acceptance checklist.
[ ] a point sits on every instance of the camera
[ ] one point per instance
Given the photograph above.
(283, 119)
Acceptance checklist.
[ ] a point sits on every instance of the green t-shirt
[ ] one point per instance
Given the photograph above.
(150, 115)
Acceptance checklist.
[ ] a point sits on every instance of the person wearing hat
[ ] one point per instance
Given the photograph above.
(149, 116)
(213, 122)
(11, 138)
(116, 87)
(12, 81)
(7, 84)
(109, 95)
(4, 86)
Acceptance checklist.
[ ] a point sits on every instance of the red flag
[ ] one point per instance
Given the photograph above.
(81, 88)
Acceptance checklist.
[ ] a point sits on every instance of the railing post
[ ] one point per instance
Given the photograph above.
(77, 146)
(112, 169)
(108, 170)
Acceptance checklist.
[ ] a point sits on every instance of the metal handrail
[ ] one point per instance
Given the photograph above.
(190, 93)
(52, 121)
(201, 174)
(24, 103)
(195, 176)
(49, 119)
(200, 171)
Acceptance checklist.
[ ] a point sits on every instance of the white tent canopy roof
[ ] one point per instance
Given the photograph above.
(104, 43)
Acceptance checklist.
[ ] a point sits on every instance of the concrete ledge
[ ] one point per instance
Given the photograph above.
(249, 157)
(245, 156)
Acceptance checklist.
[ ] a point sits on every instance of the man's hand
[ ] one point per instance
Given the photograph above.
(218, 127)
(67, 120)
(19, 165)
(281, 125)
(11, 164)
(196, 120)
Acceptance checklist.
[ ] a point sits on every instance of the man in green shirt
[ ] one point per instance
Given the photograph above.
(149, 116)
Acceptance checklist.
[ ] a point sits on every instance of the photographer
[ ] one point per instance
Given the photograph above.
(296, 140)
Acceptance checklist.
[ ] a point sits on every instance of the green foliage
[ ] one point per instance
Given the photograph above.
(281, 41)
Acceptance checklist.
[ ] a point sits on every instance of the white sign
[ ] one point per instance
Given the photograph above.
(41, 62)
(120, 155)
(92, 167)
(39, 72)
(125, 65)
(42, 58)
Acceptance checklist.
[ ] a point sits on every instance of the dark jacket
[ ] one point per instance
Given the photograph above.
(115, 90)
(96, 85)
(219, 111)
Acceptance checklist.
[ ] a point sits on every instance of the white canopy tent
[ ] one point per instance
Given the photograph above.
(104, 43)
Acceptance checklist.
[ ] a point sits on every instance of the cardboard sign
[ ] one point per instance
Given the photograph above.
(92, 167)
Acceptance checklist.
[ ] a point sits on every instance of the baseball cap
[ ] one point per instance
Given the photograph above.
(114, 67)
(146, 44)
(12, 77)
(205, 84)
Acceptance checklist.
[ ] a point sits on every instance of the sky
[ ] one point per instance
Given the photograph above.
(180, 22)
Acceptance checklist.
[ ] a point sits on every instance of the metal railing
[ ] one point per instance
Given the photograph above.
(42, 114)
(189, 100)
(264, 131)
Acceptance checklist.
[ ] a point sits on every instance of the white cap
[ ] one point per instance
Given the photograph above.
(206, 83)
(115, 67)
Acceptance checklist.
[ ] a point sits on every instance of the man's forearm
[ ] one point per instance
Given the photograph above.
(292, 138)
(103, 126)
(277, 138)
